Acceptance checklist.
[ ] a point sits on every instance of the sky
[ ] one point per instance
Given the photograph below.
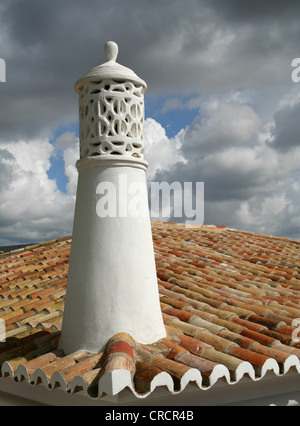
(221, 105)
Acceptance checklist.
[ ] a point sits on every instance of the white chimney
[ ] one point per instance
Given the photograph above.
(112, 284)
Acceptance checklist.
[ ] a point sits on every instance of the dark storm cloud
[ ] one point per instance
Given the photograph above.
(49, 45)
(256, 10)
(287, 129)
(204, 47)
(6, 170)
(29, 23)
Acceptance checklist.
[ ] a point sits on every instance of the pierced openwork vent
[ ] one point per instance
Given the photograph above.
(111, 118)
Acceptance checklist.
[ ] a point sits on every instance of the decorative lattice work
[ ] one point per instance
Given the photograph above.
(111, 119)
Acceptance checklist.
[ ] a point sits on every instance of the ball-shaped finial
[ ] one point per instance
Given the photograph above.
(111, 51)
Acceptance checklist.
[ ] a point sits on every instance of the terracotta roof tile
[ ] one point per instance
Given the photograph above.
(229, 300)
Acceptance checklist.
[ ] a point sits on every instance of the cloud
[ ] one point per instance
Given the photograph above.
(249, 183)
(256, 11)
(203, 48)
(286, 132)
(68, 143)
(160, 151)
(225, 62)
(32, 208)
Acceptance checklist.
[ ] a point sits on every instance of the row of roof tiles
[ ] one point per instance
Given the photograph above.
(230, 302)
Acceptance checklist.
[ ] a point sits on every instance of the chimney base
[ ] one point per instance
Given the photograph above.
(112, 284)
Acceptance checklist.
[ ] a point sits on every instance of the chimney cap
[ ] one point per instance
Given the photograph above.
(110, 69)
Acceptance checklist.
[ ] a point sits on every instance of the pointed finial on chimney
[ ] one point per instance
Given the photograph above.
(111, 51)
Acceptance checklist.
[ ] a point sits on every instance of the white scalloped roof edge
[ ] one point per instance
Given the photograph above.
(112, 383)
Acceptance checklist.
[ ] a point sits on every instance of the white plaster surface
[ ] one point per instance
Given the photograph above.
(110, 69)
(112, 284)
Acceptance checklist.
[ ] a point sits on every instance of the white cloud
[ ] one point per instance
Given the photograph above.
(218, 126)
(32, 208)
(253, 213)
(69, 144)
(291, 98)
(160, 151)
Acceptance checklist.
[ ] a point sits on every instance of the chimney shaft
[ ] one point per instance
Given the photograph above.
(112, 284)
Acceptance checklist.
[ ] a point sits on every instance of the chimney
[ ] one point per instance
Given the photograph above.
(112, 284)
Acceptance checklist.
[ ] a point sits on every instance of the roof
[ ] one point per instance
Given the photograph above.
(230, 302)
